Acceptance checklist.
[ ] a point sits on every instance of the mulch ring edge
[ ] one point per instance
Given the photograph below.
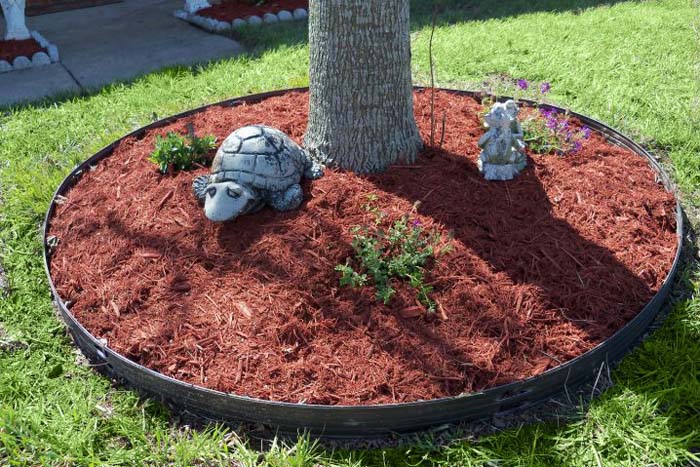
(378, 420)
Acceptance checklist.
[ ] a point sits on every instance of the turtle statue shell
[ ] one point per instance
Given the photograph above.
(255, 165)
(261, 156)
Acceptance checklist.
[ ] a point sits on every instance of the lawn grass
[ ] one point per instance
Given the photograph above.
(630, 64)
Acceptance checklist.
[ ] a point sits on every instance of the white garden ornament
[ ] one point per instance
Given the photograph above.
(16, 29)
(191, 9)
(16, 26)
(502, 146)
(192, 6)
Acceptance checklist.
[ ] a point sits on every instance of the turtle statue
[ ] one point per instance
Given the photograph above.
(255, 166)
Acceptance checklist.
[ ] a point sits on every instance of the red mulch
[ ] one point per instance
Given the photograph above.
(232, 9)
(543, 268)
(9, 50)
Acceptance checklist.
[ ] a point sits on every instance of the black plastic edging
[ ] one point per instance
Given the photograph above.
(334, 421)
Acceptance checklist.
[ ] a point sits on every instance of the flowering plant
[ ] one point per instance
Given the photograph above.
(518, 88)
(552, 132)
(549, 131)
(400, 251)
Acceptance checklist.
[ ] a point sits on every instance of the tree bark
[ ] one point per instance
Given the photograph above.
(361, 95)
(15, 22)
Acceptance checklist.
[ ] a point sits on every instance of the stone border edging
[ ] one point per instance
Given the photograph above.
(215, 25)
(38, 59)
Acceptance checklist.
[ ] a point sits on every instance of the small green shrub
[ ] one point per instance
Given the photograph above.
(382, 255)
(181, 152)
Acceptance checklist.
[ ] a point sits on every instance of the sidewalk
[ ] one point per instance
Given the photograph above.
(111, 43)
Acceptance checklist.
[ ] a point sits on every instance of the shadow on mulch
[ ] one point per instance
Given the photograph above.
(567, 268)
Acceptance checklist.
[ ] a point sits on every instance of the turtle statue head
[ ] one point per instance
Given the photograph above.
(225, 200)
(255, 166)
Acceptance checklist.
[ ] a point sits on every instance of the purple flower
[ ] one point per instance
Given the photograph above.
(551, 122)
(586, 132)
(577, 146)
(523, 84)
(548, 113)
(416, 223)
(545, 87)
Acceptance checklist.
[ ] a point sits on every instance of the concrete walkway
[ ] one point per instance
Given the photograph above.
(111, 43)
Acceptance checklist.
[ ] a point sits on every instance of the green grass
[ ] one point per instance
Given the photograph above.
(630, 64)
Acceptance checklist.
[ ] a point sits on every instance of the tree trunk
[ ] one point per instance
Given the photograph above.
(361, 96)
(16, 26)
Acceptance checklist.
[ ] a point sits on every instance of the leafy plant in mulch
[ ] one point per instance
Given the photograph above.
(383, 254)
(176, 152)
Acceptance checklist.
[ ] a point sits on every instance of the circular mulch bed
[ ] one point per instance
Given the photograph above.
(232, 9)
(9, 50)
(542, 268)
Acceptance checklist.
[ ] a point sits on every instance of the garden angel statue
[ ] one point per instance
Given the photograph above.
(502, 156)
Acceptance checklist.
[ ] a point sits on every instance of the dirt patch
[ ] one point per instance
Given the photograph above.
(230, 10)
(543, 268)
(9, 50)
